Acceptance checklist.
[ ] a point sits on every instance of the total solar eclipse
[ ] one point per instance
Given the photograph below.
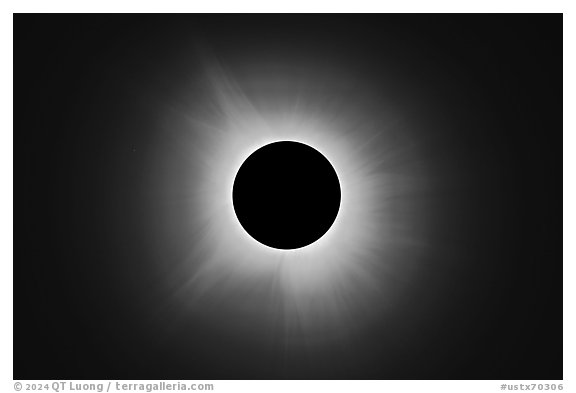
(286, 195)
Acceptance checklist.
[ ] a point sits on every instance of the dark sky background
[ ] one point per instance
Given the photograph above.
(86, 93)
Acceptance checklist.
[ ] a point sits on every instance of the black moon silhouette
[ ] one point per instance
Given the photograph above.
(286, 195)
